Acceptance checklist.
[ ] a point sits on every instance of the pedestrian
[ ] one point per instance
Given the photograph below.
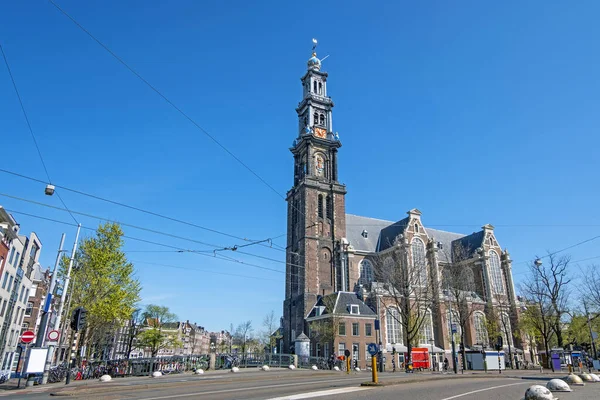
(445, 364)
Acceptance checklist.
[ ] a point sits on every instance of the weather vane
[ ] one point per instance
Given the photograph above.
(314, 45)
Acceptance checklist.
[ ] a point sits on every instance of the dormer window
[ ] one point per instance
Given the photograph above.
(353, 309)
(364, 233)
(416, 228)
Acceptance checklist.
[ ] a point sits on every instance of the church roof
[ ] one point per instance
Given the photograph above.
(363, 232)
(373, 235)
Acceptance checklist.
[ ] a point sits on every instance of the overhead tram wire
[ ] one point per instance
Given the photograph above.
(216, 248)
(14, 83)
(165, 98)
(166, 217)
(183, 250)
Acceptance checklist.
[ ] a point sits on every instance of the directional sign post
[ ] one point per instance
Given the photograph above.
(373, 349)
(27, 337)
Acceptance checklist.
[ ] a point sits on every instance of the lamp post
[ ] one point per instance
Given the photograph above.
(432, 341)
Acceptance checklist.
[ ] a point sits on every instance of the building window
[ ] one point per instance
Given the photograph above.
(355, 329)
(341, 349)
(342, 328)
(5, 280)
(496, 272)
(481, 336)
(368, 329)
(326, 350)
(17, 315)
(318, 349)
(22, 291)
(320, 206)
(322, 119)
(10, 281)
(353, 309)
(3, 308)
(24, 327)
(329, 207)
(419, 262)
(365, 270)
(393, 328)
(416, 228)
(315, 118)
(12, 256)
(18, 256)
(320, 88)
(29, 309)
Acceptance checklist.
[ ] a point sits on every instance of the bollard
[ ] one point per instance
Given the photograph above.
(374, 370)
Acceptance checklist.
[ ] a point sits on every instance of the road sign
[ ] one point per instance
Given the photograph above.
(454, 328)
(53, 336)
(27, 337)
(372, 349)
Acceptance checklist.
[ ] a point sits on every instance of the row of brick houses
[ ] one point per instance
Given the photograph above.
(334, 294)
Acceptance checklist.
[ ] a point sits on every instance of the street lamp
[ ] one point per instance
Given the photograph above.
(212, 347)
(538, 263)
(432, 341)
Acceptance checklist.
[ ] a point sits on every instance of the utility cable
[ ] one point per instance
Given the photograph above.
(166, 217)
(14, 83)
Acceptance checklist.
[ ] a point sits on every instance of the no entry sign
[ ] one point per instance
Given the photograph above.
(27, 337)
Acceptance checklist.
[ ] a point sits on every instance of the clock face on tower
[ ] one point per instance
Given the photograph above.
(320, 132)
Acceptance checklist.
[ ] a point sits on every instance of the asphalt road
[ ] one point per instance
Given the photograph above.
(296, 385)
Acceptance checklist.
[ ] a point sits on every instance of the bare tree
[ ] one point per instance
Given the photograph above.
(408, 287)
(243, 333)
(591, 286)
(324, 330)
(270, 324)
(554, 279)
(459, 283)
(539, 313)
(134, 329)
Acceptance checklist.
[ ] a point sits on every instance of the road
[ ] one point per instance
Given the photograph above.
(302, 384)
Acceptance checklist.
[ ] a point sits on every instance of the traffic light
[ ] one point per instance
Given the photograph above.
(499, 344)
(78, 319)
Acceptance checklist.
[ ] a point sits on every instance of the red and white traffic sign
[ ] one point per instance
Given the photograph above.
(27, 337)
(53, 336)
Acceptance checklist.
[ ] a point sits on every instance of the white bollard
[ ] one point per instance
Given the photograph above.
(292, 366)
(235, 370)
(265, 368)
(105, 378)
(336, 368)
(573, 379)
(314, 368)
(538, 392)
(199, 371)
(558, 385)
(156, 374)
(595, 377)
(357, 369)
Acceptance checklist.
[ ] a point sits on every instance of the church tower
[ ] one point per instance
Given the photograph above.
(316, 207)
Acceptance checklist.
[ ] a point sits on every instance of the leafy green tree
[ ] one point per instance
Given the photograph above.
(103, 282)
(154, 336)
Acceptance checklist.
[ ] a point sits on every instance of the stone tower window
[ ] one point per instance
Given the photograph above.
(316, 118)
(315, 86)
(322, 119)
(320, 88)
(329, 207)
(320, 206)
(416, 228)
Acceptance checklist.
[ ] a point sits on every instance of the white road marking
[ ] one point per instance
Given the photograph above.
(319, 394)
(483, 390)
(174, 396)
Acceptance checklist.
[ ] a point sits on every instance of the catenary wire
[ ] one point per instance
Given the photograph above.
(166, 217)
(14, 83)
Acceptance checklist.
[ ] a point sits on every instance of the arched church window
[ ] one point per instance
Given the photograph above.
(365, 270)
(329, 207)
(316, 118)
(320, 88)
(315, 86)
(419, 272)
(416, 228)
(322, 119)
(496, 273)
(320, 206)
(481, 335)
(393, 327)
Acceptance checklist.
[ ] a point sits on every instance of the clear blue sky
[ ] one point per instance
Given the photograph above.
(473, 112)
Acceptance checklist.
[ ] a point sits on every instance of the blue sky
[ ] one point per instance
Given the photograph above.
(472, 112)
